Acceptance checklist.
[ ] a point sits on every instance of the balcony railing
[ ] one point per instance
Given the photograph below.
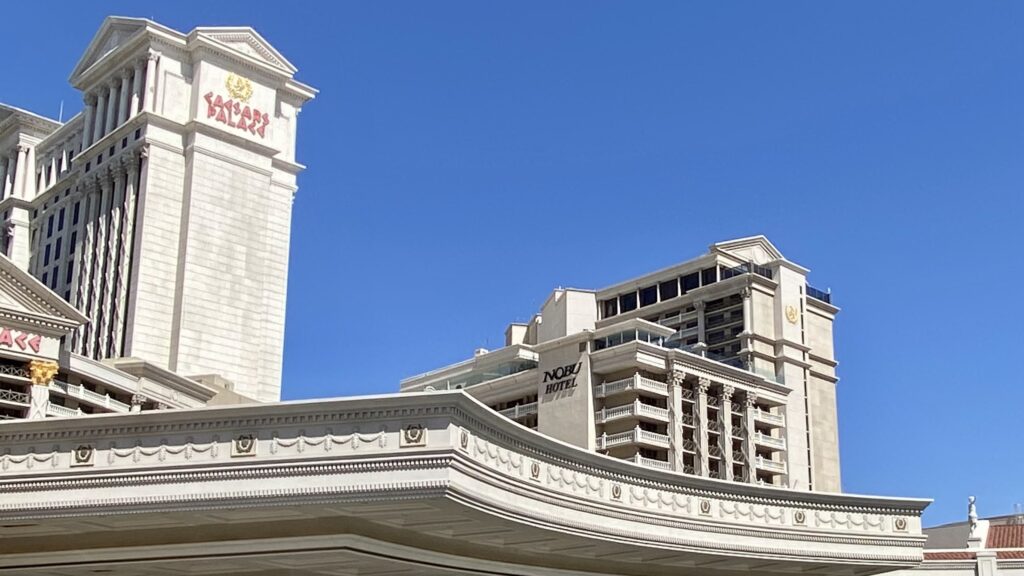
(737, 431)
(651, 462)
(14, 396)
(737, 458)
(686, 418)
(747, 268)
(634, 382)
(634, 409)
(83, 393)
(689, 446)
(62, 411)
(769, 418)
(818, 294)
(770, 441)
(19, 371)
(520, 411)
(771, 465)
(634, 436)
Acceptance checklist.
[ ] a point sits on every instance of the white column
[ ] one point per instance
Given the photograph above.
(19, 171)
(4, 167)
(749, 450)
(98, 264)
(111, 106)
(90, 118)
(101, 108)
(30, 174)
(122, 113)
(700, 423)
(124, 248)
(39, 402)
(90, 202)
(149, 99)
(110, 259)
(136, 106)
(725, 431)
(675, 405)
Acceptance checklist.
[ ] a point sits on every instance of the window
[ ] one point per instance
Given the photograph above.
(74, 236)
(610, 308)
(627, 302)
(669, 289)
(709, 276)
(649, 295)
(71, 270)
(691, 282)
(49, 226)
(44, 278)
(54, 277)
(60, 220)
(74, 214)
(56, 249)
(46, 257)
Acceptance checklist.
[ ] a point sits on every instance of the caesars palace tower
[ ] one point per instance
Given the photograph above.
(162, 211)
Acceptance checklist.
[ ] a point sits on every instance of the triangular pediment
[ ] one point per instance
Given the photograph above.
(26, 299)
(247, 41)
(115, 31)
(756, 249)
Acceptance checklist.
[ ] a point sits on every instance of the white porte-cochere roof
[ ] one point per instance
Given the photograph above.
(423, 483)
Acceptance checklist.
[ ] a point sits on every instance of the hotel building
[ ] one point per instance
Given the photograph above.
(722, 367)
(162, 211)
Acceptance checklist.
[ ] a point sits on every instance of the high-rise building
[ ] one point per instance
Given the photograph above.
(162, 211)
(721, 366)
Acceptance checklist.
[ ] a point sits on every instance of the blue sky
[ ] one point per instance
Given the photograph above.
(467, 157)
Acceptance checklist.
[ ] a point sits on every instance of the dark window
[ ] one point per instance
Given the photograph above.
(74, 213)
(627, 302)
(56, 249)
(648, 296)
(610, 308)
(71, 271)
(709, 276)
(46, 256)
(691, 282)
(49, 226)
(67, 295)
(74, 236)
(54, 276)
(60, 220)
(669, 289)
(44, 278)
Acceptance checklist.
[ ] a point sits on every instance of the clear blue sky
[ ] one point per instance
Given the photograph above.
(466, 158)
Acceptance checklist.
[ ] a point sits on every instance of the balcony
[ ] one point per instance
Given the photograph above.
(635, 382)
(82, 393)
(13, 396)
(634, 436)
(747, 268)
(520, 411)
(636, 409)
(62, 411)
(651, 462)
(813, 292)
(770, 441)
(768, 417)
(771, 465)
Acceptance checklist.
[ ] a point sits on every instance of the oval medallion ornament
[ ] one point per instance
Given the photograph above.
(901, 524)
(238, 87)
(535, 470)
(791, 314)
(616, 491)
(705, 507)
(799, 517)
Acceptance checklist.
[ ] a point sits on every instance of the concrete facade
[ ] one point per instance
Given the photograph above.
(163, 210)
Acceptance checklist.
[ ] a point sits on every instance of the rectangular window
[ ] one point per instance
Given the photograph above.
(56, 249)
(74, 236)
(74, 213)
(627, 302)
(60, 220)
(709, 276)
(46, 256)
(71, 271)
(610, 308)
(669, 289)
(648, 295)
(691, 282)
(45, 278)
(54, 277)
(49, 226)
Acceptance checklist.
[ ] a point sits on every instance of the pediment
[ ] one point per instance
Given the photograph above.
(756, 249)
(24, 298)
(247, 41)
(115, 31)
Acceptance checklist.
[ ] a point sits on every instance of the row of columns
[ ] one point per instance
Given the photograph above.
(124, 96)
(106, 234)
(15, 168)
(748, 328)
(702, 427)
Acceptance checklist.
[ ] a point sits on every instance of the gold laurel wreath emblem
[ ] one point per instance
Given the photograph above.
(238, 87)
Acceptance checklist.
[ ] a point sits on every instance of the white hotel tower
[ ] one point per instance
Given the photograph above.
(162, 211)
(721, 367)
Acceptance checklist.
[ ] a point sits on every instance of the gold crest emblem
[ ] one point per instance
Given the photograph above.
(791, 314)
(238, 87)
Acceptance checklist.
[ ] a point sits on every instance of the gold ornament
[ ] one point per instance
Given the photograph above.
(238, 87)
(791, 314)
(42, 372)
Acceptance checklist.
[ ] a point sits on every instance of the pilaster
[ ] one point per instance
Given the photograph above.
(725, 431)
(700, 423)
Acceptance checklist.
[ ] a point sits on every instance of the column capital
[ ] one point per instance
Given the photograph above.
(703, 384)
(126, 73)
(42, 371)
(745, 292)
(750, 398)
(89, 98)
(152, 54)
(676, 377)
(727, 392)
(22, 148)
(113, 83)
(699, 305)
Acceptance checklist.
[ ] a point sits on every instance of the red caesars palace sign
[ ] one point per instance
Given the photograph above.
(21, 340)
(234, 111)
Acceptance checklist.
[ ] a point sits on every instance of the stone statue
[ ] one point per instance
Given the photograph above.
(972, 517)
